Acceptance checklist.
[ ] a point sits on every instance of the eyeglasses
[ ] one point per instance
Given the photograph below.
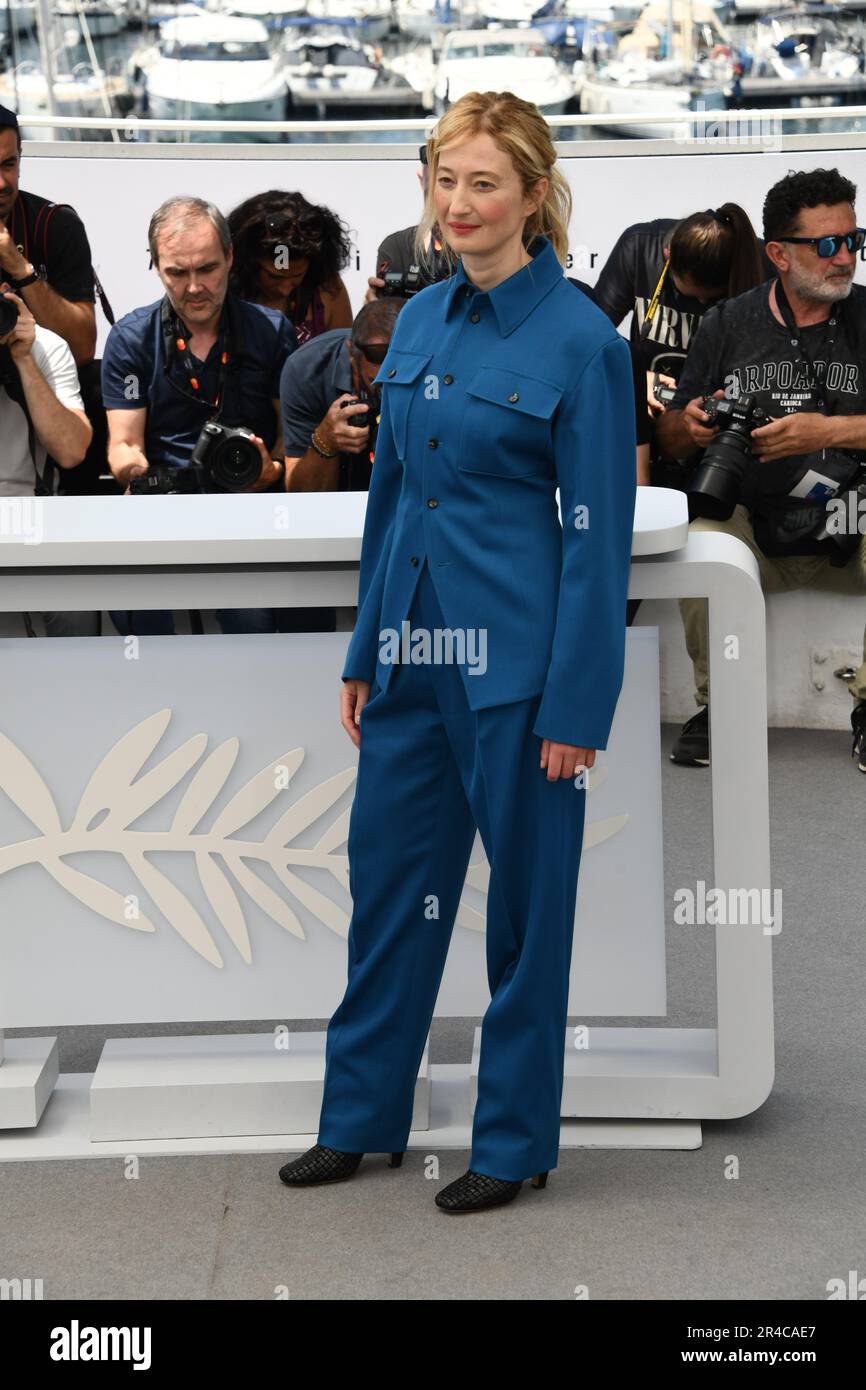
(374, 352)
(828, 246)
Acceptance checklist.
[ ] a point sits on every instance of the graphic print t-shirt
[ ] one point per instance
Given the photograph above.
(741, 347)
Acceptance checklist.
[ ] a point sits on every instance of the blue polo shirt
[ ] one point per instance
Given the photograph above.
(134, 376)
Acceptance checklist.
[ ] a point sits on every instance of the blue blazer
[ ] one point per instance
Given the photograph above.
(490, 401)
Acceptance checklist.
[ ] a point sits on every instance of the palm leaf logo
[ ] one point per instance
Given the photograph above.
(118, 794)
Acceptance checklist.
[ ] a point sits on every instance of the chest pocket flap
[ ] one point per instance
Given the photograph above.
(529, 395)
(401, 372)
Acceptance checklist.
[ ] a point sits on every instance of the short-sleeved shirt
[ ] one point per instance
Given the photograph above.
(741, 347)
(54, 238)
(134, 376)
(312, 379)
(17, 466)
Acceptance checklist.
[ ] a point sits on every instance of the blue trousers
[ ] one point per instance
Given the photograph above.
(429, 771)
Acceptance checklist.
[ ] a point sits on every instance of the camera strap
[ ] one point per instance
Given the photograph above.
(175, 343)
(653, 305)
(816, 380)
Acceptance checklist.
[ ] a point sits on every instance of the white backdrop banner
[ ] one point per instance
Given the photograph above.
(173, 837)
(116, 195)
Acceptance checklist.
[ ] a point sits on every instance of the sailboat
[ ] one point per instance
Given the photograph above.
(677, 57)
(53, 88)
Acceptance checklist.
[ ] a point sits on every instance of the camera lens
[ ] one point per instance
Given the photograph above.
(235, 463)
(8, 316)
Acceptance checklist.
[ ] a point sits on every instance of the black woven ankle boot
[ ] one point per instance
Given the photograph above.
(477, 1192)
(321, 1164)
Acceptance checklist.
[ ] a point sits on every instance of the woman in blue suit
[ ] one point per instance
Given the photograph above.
(500, 385)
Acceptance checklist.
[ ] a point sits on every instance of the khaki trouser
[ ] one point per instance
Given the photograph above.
(777, 575)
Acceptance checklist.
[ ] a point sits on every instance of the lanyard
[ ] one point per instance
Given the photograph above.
(182, 345)
(816, 380)
(654, 302)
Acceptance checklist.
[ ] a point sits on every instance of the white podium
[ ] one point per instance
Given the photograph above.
(633, 1086)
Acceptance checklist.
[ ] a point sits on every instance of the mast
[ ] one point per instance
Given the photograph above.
(688, 23)
(46, 57)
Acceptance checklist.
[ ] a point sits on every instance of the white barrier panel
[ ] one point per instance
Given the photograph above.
(127, 900)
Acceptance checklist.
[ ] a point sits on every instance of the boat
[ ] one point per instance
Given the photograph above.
(603, 11)
(505, 60)
(369, 20)
(799, 46)
(149, 14)
(421, 19)
(105, 19)
(207, 67)
(274, 14)
(335, 71)
(80, 91)
(18, 16)
(417, 65)
(525, 12)
(678, 57)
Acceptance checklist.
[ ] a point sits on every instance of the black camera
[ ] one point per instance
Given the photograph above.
(664, 394)
(223, 460)
(8, 315)
(373, 399)
(229, 458)
(403, 283)
(717, 483)
(161, 481)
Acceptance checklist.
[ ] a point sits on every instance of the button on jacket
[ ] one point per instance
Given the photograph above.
(490, 401)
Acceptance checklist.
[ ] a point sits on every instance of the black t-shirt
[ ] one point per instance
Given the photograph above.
(397, 253)
(54, 238)
(741, 347)
(626, 285)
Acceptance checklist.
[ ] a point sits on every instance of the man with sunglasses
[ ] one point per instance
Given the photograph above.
(329, 442)
(330, 410)
(795, 345)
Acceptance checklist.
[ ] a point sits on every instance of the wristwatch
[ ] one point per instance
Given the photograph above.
(28, 279)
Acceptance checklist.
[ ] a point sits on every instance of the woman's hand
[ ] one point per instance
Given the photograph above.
(353, 697)
(561, 759)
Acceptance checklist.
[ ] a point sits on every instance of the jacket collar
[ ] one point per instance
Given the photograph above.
(514, 298)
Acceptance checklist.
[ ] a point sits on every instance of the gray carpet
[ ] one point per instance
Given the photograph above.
(633, 1225)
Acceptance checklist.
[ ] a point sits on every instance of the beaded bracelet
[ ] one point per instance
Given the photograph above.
(317, 445)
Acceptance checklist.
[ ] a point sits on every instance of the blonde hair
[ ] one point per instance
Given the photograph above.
(520, 130)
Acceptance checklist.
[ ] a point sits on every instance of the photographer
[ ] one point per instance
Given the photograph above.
(330, 412)
(397, 257)
(44, 253)
(288, 254)
(198, 357)
(328, 444)
(41, 413)
(791, 350)
(666, 274)
(45, 256)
